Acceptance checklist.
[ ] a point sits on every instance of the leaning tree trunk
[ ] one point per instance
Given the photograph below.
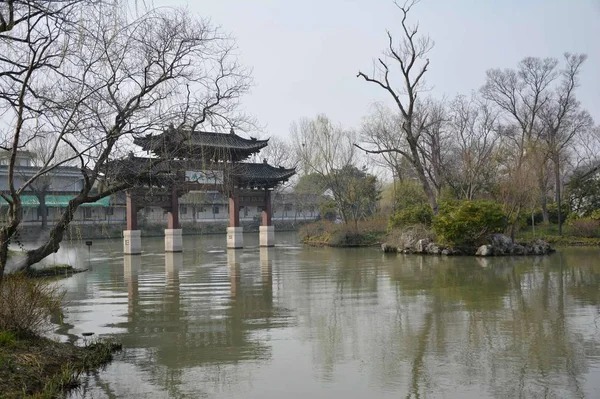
(56, 235)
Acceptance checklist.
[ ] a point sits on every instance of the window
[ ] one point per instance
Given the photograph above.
(87, 213)
(287, 207)
(245, 210)
(183, 209)
(201, 209)
(110, 211)
(215, 209)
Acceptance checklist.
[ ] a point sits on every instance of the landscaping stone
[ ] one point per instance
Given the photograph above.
(498, 245)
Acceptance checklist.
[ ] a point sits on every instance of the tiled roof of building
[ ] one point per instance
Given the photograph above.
(259, 174)
(156, 171)
(198, 144)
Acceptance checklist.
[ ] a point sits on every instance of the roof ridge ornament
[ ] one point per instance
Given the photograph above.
(231, 131)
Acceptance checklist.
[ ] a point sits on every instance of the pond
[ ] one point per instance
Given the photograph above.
(299, 322)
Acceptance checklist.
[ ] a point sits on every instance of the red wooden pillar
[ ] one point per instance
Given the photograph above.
(267, 210)
(131, 212)
(234, 210)
(173, 221)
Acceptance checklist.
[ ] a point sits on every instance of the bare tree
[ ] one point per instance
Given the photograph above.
(380, 131)
(521, 94)
(563, 119)
(434, 145)
(280, 153)
(93, 81)
(473, 125)
(328, 151)
(546, 116)
(409, 55)
(40, 152)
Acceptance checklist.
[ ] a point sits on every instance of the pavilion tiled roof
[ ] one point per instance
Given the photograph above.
(259, 174)
(199, 144)
(155, 171)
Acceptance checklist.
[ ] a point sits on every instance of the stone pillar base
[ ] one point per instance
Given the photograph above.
(132, 242)
(267, 236)
(173, 240)
(235, 237)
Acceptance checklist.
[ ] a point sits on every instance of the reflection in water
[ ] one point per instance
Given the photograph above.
(298, 322)
(131, 270)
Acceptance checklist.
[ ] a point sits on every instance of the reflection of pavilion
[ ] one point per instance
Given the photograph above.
(197, 161)
(185, 328)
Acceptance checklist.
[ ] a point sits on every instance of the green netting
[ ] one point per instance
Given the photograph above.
(54, 201)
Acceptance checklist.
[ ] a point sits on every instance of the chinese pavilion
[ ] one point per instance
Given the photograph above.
(185, 160)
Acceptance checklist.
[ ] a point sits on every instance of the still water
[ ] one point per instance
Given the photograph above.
(296, 322)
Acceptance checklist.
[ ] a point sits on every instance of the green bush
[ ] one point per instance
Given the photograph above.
(553, 212)
(328, 210)
(412, 215)
(525, 217)
(468, 222)
(408, 194)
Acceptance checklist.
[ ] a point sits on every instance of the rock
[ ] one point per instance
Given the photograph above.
(421, 246)
(501, 244)
(519, 249)
(432, 249)
(543, 247)
(446, 252)
(484, 250)
(388, 248)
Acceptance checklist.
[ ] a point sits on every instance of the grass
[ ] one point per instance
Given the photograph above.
(549, 233)
(14, 252)
(55, 270)
(325, 233)
(43, 369)
(7, 338)
(32, 366)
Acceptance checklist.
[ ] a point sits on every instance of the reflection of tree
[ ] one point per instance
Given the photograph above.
(333, 328)
(508, 324)
(504, 327)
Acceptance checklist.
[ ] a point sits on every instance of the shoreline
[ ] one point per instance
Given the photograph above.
(42, 368)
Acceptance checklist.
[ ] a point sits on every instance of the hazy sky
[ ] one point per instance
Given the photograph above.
(306, 54)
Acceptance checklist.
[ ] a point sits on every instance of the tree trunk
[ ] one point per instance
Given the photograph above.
(7, 231)
(4, 241)
(558, 199)
(42, 209)
(55, 237)
(545, 216)
(513, 228)
(416, 161)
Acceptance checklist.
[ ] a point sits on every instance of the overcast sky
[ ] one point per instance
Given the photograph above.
(306, 54)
